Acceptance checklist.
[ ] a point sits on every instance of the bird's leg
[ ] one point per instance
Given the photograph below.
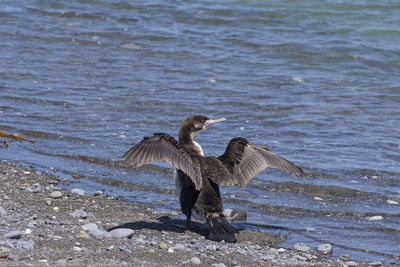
(188, 219)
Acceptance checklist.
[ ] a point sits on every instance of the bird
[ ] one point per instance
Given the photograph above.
(198, 177)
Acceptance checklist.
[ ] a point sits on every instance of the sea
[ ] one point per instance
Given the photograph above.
(316, 81)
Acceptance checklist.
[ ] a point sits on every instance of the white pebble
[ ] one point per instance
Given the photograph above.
(77, 191)
(392, 202)
(56, 194)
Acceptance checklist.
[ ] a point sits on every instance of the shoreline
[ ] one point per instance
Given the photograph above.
(42, 224)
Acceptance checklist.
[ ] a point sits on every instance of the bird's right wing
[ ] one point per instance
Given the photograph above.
(163, 147)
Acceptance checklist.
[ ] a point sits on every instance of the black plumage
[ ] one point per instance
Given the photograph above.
(198, 177)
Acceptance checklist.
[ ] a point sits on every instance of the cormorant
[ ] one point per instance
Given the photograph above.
(198, 177)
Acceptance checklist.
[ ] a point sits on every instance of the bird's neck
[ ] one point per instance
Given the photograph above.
(186, 140)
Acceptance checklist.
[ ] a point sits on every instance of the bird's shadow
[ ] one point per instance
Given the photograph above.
(165, 223)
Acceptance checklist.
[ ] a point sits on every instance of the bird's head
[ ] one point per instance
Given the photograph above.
(194, 125)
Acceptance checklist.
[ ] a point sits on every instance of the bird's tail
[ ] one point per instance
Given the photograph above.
(220, 228)
(218, 225)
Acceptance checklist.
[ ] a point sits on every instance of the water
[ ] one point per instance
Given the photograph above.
(316, 81)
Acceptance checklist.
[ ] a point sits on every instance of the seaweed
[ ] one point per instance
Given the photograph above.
(15, 136)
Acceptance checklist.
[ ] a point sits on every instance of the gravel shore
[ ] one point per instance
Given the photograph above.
(42, 225)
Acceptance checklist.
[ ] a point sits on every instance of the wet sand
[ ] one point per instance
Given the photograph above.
(41, 225)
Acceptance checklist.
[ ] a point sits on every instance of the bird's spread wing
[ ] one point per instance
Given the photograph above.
(163, 147)
(245, 160)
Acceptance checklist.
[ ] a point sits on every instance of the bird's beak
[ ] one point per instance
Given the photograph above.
(211, 122)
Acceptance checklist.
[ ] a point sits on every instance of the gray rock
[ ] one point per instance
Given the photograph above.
(300, 258)
(2, 211)
(375, 263)
(301, 247)
(268, 257)
(90, 226)
(29, 189)
(325, 248)
(61, 262)
(234, 263)
(140, 240)
(121, 233)
(99, 233)
(123, 248)
(29, 245)
(179, 246)
(78, 191)
(56, 194)
(110, 248)
(13, 234)
(351, 263)
(79, 213)
(195, 261)
(218, 265)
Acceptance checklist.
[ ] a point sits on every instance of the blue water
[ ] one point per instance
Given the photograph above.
(316, 81)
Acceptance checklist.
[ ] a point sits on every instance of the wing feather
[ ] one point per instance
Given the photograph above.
(163, 147)
(245, 160)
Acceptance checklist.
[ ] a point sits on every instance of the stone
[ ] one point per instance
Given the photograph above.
(375, 263)
(121, 233)
(2, 211)
(195, 261)
(13, 234)
(300, 258)
(281, 250)
(98, 193)
(125, 249)
(219, 265)
(61, 262)
(29, 245)
(78, 191)
(179, 246)
(170, 250)
(90, 226)
(268, 257)
(163, 245)
(48, 201)
(99, 233)
(79, 213)
(56, 194)
(325, 248)
(301, 247)
(351, 263)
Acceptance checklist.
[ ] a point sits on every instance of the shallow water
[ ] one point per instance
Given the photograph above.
(316, 81)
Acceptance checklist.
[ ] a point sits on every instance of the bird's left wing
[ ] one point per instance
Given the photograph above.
(245, 160)
(163, 147)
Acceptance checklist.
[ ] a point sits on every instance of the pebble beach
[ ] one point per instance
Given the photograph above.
(43, 224)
